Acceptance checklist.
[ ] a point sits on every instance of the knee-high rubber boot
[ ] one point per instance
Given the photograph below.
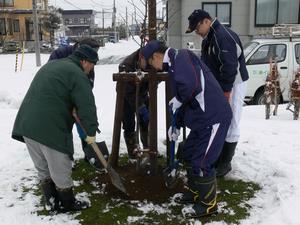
(206, 196)
(130, 140)
(189, 195)
(223, 165)
(50, 195)
(69, 202)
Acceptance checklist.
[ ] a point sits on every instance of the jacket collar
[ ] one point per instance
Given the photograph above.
(76, 60)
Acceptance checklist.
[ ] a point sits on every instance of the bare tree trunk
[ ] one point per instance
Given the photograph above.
(152, 19)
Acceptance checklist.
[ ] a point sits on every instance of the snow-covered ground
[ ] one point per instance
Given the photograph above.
(268, 152)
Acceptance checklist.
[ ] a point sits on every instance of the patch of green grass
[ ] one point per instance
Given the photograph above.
(233, 196)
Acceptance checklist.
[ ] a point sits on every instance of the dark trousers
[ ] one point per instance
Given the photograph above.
(203, 147)
(129, 118)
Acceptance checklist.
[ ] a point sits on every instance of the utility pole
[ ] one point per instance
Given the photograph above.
(36, 34)
(126, 24)
(102, 21)
(152, 19)
(114, 21)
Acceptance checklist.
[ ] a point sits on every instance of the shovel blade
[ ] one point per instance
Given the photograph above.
(116, 179)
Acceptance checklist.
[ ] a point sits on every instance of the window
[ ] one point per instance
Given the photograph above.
(16, 26)
(76, 20)
(221, 10)
(297, 53)
(2, 26)
(68, 21)
(10, 26)
(81, 20)
(249, 47)
(267, 52)
(6, 3)
(270, 12)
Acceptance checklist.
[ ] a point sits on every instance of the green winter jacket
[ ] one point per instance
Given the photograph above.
(45, 114)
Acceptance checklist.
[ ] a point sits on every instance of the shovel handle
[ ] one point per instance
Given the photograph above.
(94, 145)
(99, 154)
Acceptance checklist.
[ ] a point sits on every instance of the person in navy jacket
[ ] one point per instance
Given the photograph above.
(222, 52)
(203, 108)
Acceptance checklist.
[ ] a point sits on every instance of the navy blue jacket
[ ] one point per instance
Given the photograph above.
(194, 85)
(64, 52)
(222, 52)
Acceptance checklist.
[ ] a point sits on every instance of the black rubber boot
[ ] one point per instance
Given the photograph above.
(69, 202)
(188, 196)
(205, 198)
(130, 140)
(50, 195)
(223, 165)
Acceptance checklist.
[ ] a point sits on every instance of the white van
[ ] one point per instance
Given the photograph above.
(258, 53)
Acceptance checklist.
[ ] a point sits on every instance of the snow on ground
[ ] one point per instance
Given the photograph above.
(268, 152)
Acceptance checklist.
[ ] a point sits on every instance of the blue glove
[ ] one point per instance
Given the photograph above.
(80, 131)
(144, 114)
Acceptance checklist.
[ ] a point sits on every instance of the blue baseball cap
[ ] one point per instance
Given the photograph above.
(197, 16)
(152, 46)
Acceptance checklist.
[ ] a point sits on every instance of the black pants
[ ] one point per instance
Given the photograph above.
(129, 116)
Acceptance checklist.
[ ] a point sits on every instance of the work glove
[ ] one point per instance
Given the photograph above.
(144, 113)
(90, 139)
(173, 133)
(174, 104)
(80, 131)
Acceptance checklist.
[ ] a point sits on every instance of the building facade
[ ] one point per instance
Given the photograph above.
(16, 19)
(248, 18)
(78, 22)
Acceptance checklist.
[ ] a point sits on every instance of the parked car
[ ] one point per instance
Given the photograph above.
(11, 46)
(286, 51)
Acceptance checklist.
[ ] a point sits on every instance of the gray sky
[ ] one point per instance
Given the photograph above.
(107, 5)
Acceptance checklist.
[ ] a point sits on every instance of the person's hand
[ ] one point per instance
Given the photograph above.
(144, 113)
(173, 133)
(174, 104)
(90, 139)
(227, 95)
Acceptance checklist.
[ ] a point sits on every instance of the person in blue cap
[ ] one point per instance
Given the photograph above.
(222, 52)
(203, 108)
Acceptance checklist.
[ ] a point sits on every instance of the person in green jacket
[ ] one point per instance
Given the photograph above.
(44, 122)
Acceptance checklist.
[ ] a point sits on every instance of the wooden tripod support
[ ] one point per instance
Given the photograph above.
(153, 80)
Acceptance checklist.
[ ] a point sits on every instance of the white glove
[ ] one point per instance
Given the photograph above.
(173, 134)
(174, 104)
(90, 139)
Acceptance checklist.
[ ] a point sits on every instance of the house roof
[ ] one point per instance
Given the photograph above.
(77, 12)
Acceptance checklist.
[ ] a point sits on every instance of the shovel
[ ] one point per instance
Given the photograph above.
(114, 176)
(171, 173)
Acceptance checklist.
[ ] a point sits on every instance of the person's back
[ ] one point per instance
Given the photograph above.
(62, 52)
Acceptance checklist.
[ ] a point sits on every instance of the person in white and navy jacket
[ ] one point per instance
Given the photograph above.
(222, 52)
(202, 107)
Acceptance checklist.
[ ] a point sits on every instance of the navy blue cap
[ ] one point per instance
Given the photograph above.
(197, 16)
(152, 46)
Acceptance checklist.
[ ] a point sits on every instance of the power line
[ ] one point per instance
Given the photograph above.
(101, 5)
(70, 3)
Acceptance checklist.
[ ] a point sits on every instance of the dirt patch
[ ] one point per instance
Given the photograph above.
(140, 187)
